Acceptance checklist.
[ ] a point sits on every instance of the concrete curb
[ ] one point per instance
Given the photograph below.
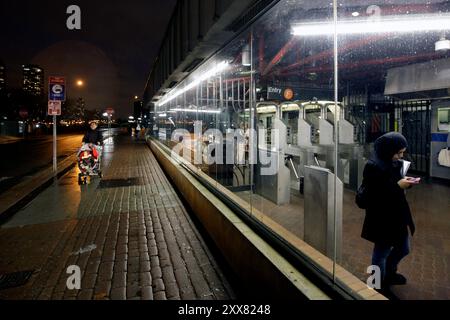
(19, 195)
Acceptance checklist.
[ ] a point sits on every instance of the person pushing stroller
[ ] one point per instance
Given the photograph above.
(93, 136)
(90, 153)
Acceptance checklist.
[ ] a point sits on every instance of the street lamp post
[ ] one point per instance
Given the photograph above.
(108, 115)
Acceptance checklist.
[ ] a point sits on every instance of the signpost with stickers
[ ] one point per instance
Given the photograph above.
(56, 95)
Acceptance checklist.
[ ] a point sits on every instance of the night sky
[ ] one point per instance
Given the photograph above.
(112, 53)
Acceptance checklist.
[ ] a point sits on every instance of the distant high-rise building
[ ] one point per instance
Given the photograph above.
(33, 79)
(2, 77)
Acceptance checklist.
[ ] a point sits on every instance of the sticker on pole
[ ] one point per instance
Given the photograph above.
(56, 89)
(54, 108)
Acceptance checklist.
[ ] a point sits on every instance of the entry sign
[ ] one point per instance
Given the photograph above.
(54, 108)
(56, 89)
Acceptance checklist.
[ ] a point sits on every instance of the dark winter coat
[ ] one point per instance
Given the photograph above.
(93, 136)
(388, 215)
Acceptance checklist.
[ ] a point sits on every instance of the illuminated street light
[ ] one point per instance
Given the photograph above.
(80, 83)
(105, 114)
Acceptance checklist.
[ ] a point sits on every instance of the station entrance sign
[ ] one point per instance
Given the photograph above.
(56, 89)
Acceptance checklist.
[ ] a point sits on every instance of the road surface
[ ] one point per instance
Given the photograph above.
(21, 159)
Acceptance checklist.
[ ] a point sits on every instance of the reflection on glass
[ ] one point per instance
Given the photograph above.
(259, 122)
(393, 66)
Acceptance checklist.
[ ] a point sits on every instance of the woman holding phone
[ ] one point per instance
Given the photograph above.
(388, 216)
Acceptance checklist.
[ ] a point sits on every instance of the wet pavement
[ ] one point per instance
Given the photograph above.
(130, 235)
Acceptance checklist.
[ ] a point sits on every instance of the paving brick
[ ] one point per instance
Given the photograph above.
(118, 293)
(200, 285)
(108, 256)
(119, 280)
(154, 261)
(133, 253)
(46, 294)
(182, 278)
(144, 256)
(102, 289)
(57, 295)
(188, 293)
(85, 294)
(133, 292)
(121, 249)
(158, 285)
(120, 266)
(168, 275)
(153, 251)
(121, 257)
(156, 272)
(161, 295)
(151, 243)
(105, 270)
(172, 290)
(88, 281)
(92, 266)
(145, 279)
(147, 293)
(132, 278)
(144, 266)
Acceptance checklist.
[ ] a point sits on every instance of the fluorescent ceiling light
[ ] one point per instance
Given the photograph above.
(195, 110)
(387, 24)
(204, 76)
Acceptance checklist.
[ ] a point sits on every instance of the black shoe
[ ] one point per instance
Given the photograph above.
(396, 279)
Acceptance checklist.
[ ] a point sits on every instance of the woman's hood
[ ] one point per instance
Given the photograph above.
(388, 145)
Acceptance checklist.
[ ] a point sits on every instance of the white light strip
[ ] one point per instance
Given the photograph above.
(196, 111)
(388, 24)
(204, 76)
(162, 115)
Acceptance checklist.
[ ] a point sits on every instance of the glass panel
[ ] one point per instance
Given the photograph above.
(393, 74)
(293, 190)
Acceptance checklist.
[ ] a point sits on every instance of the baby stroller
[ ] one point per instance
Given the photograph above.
(89, 159)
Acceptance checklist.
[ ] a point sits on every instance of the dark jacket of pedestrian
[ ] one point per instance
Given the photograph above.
(388, 215)
(93, 136)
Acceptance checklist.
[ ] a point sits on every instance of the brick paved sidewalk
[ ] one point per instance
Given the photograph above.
(129, 234)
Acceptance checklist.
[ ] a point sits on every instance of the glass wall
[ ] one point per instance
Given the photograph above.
(282, 121)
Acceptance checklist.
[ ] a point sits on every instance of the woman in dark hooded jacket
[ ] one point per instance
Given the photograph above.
(93, 135)
(388, 215)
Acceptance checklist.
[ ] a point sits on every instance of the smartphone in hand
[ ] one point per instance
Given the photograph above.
(413, 180)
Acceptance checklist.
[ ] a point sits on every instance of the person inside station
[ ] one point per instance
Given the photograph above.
(388, 215)
(93, 136)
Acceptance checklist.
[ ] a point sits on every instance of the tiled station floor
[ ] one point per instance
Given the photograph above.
(427, 268)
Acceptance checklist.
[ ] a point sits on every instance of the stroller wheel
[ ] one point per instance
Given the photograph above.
(80, 182)
(100, 174)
